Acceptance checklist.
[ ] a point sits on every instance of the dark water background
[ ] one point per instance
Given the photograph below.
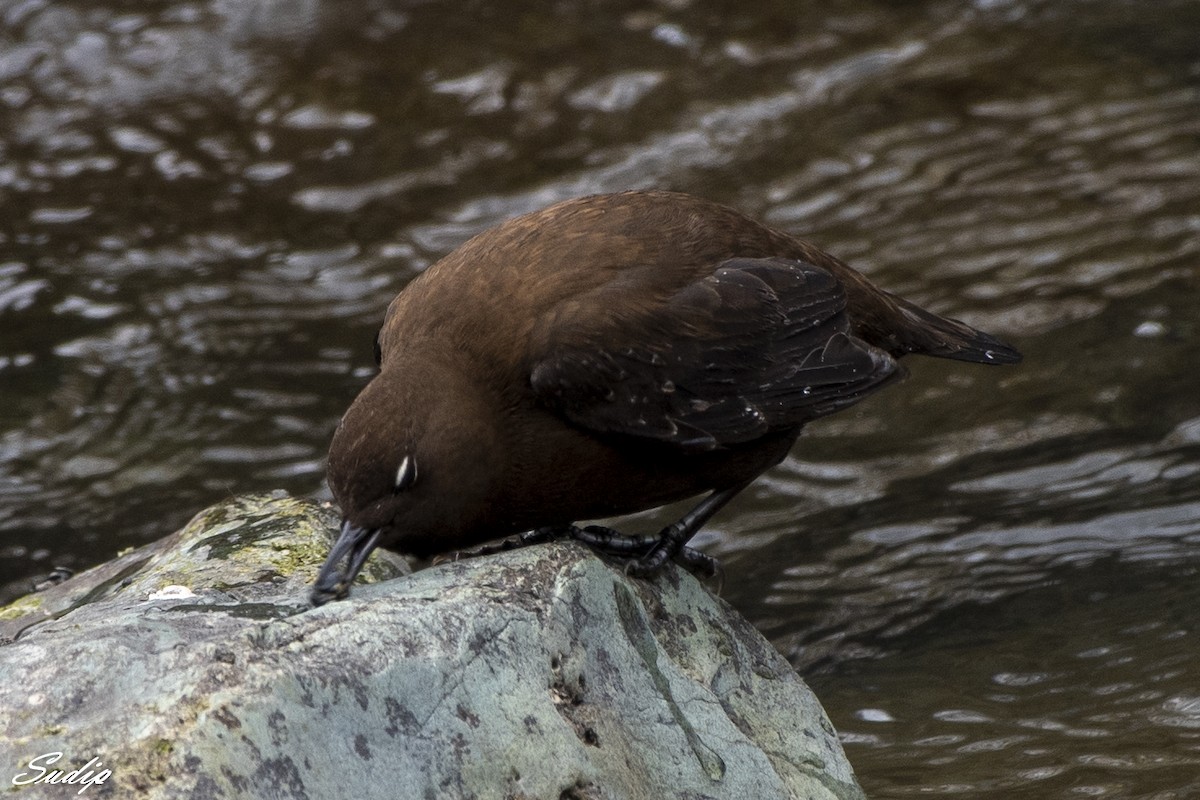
(990, 576)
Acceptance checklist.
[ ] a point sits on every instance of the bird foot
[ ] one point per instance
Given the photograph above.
(536, 536)
(644, 555)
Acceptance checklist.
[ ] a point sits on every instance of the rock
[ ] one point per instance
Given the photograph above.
(194, 667)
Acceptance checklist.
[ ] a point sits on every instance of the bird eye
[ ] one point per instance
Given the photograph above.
(378, 352)
(406, 474)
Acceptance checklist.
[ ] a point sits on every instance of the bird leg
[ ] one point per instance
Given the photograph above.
(672, 540)
(604, 540)
(632, 548)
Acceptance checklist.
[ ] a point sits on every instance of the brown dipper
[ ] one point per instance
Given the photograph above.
(603, 356)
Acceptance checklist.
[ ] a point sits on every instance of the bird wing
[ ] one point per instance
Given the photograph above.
(760, 344)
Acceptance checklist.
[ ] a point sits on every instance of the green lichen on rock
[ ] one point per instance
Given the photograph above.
(29, 604)
(247, 550)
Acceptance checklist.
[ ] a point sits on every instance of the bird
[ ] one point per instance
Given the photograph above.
(602, 356)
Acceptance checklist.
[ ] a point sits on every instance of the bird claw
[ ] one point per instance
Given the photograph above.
(646, 555)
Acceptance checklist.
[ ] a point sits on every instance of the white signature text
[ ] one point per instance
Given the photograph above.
(90, 773)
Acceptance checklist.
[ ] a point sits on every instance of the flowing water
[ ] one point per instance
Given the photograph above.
(990, 576)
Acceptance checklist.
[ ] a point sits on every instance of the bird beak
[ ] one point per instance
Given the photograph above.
(354, 543)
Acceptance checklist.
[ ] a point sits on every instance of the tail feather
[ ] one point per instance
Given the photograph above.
(894, 324)
(934, 335)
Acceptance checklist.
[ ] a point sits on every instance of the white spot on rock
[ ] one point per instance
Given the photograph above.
(172, 592)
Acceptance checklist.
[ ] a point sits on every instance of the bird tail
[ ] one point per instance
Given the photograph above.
(930, 334)
(893, 324)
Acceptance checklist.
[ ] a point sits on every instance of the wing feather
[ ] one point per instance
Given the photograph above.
(758, 345)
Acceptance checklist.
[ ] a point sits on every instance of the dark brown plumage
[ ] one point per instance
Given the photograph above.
(603, 356)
